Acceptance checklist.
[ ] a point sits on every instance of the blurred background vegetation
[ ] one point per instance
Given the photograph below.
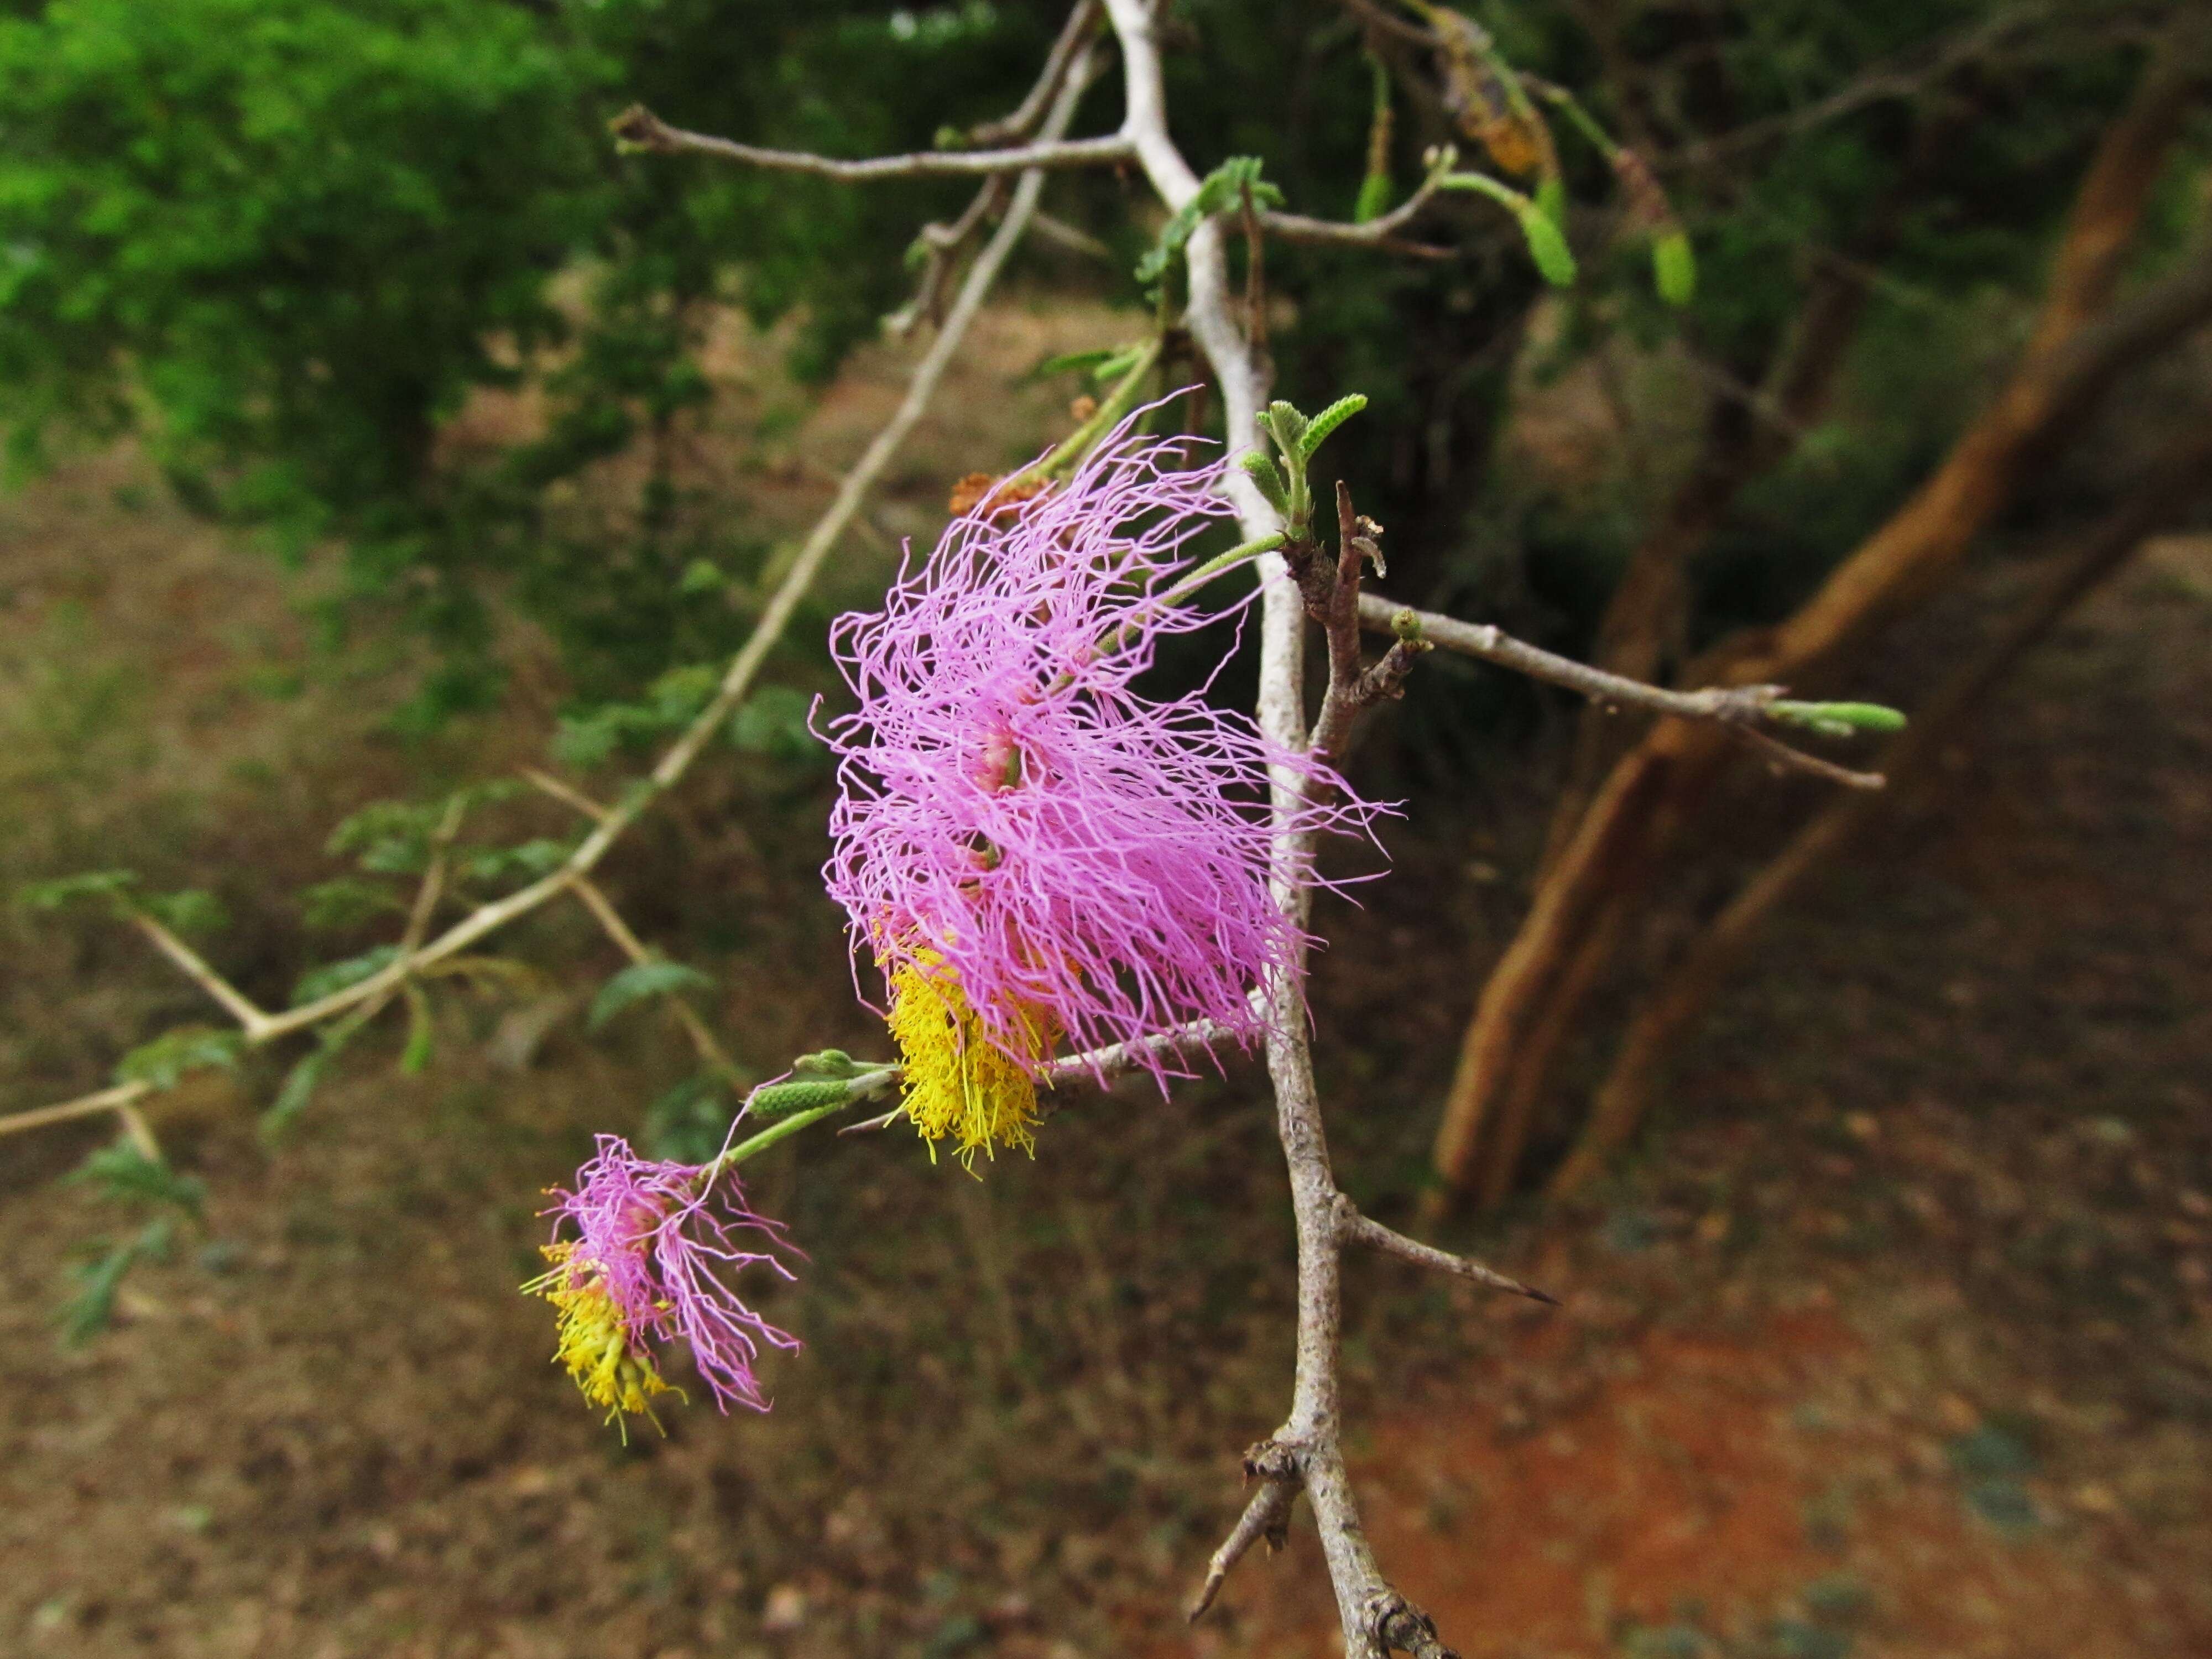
(374, 427)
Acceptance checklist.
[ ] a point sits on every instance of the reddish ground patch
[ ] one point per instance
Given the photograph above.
(1724, 1493)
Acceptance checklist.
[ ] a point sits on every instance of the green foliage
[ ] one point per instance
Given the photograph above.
(334, 977)
(165, 1061)
(688, 1124)
(188, 913)
(107, 887)
(297, 1092)
(774, 721)
(121, 1171)
(830, 1063)
(818, 1081)
(1098, 363)
(284, 240)
(800, 1094)
(388, 837)
(1269, 479)
(421, 1032)
(90, 1311)
(586, 741)
(1838, 719)
(281, 237)
(501, 865)
(1374, 198)
(1222, 191)
(1317, 429)
(678, 694)
(1296, 439)
(640, 981)
(1675, 268)
(1539, 224)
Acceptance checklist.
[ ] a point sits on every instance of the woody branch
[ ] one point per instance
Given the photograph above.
(1306, 1453)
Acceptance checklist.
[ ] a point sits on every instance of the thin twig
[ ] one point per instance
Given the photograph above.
(1127, 1056)
(235, 1002)
(1390, 24)
(711, 1052)
(566, 794)
(419, 916)
(1074, 241)
(1359, 1228)
(869, 1125)
(939, 243)
(433, 889)
(1075, 33)
(1093, 1064)
(1892, 80)
(1333, 599)
(1745, 709)
(1267, 1517)
(1784, 758)
(1255, 274)
(1379, 232)
(140, 1133)
(642, 129)
(105, 1100)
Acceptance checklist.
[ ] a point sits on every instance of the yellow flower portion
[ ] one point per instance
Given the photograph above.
(595, 1344)
(959, 1082)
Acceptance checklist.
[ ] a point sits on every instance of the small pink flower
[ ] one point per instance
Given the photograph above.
(661, 1243)
(1016, 819)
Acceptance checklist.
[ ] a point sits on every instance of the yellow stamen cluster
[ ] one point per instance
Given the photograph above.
(595, 1344)
(959, 1082)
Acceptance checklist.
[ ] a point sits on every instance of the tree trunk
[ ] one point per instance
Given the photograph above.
(1659, 1028)
(1647, 614)
(1663, 778)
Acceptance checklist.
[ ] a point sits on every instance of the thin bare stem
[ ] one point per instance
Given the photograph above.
(140, 1132)
(869, 1125)
(1784, 758)
(1358, 1229)
(122, 1095)
(1127, 1056)
(1745, 709)
(566, 795)
(710, 1050)
(1369, 1612)
(1379, 232)
(1092, 1065)
(1075, 33)
(233, 1001)
(425, 908)
(1075, 241)
(642, 129)
(419, 917)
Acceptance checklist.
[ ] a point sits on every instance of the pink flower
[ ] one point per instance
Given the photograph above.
(1017, 827)
(656, 1247)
